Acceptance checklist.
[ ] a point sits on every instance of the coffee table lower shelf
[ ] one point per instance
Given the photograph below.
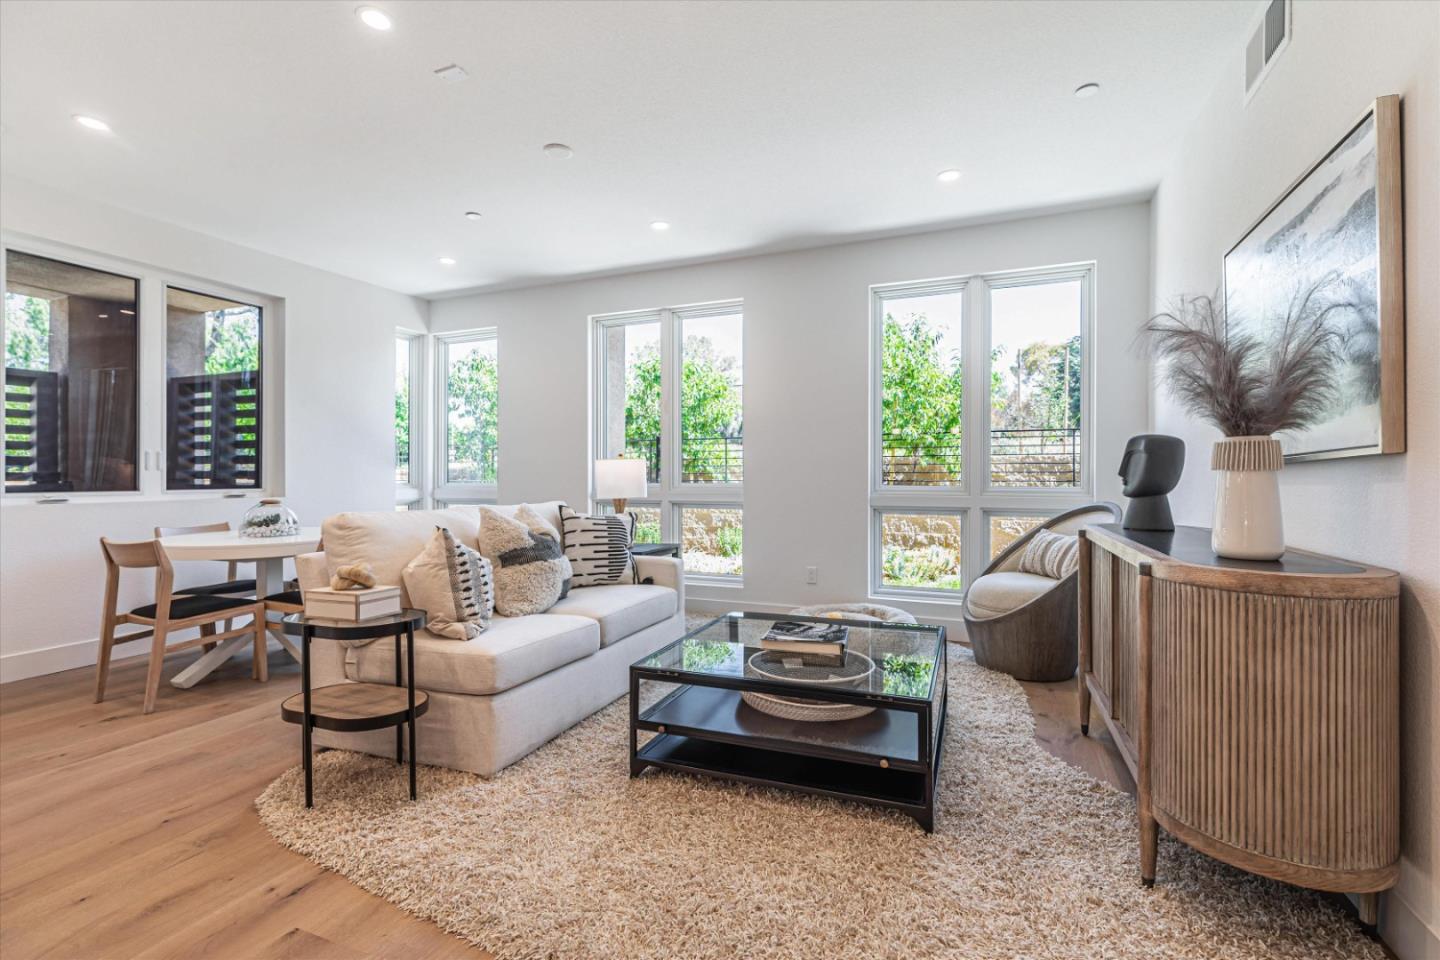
(908, 791)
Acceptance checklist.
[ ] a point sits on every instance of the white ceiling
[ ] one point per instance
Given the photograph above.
(295, 129)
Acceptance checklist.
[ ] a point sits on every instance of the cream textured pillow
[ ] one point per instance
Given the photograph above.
(531, 572)
(453, 584)
(1053, 555)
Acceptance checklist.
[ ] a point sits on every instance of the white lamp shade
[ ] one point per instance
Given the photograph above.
(620, 479)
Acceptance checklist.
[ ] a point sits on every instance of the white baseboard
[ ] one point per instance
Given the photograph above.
(37, 663)
(1404, 931)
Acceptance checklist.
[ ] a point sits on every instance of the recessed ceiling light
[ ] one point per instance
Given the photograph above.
(447, 261)
(659, 226)
(948, 176)
(1086, 90)
(472, 214)
(103, 316)
(558, 150)
(128, 313)
(92, 123)
(374, 17)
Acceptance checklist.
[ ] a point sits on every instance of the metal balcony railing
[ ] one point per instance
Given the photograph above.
(1034, 457)
(718, 459)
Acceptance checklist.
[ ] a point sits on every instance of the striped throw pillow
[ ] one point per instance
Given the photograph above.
(598, 547)
(452, 583)
(1053, 555)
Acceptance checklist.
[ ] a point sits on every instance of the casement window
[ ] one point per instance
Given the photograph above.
(980, 429)
(122, 378)
(669, 389)
(467, 374)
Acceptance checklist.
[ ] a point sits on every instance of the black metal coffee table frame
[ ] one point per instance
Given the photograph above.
(391, 714)
(700, 731)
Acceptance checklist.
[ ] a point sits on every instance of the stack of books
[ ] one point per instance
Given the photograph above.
(820, 644)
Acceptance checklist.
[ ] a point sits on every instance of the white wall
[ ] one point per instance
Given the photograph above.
(338, 408)
(1236, 160)
(807, 318)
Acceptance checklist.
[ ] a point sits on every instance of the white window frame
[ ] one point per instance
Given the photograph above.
(151, 440)
(441, 489)
(413, 494)
(669, 493)
(975, 498)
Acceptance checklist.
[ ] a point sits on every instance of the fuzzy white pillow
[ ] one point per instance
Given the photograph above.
(453, 584)
(531, 572)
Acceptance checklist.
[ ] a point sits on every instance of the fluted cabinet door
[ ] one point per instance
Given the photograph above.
(1276, 729)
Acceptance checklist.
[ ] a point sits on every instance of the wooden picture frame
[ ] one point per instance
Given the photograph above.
(1343, 219)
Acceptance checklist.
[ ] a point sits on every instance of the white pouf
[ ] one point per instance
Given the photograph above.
(856, 611)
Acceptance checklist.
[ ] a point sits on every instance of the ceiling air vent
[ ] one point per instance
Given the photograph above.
(1270, 37)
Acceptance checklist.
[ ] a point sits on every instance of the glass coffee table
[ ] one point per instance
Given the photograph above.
(890, 692)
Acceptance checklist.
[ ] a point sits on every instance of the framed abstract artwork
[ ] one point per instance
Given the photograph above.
(1336, 234)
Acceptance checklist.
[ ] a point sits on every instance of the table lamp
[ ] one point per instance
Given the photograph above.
(618, 480)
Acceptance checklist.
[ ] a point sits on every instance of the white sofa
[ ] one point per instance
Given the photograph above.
(524, 680)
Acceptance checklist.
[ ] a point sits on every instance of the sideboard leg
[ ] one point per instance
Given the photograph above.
(1369, 904)
(1149, 841)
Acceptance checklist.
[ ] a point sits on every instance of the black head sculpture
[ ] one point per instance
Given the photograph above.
(1151, 468)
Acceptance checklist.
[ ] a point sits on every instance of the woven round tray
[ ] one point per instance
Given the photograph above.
(769, 665)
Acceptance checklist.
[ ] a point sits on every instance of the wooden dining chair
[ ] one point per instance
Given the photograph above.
(170, 613)
(292, 598)
(231, 586)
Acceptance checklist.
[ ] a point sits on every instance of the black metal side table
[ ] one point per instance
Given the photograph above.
(350, 707)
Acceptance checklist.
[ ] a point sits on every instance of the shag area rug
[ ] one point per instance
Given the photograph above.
(564, 856)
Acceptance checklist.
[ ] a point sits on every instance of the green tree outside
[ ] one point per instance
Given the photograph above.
(710, 409)
(473, 405)
(27, 332)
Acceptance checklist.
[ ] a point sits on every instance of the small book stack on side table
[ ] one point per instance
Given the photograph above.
(349, 707)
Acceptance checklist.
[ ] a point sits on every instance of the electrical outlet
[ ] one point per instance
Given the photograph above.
(812, 574)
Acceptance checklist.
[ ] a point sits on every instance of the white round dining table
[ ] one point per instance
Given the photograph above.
(267, 553)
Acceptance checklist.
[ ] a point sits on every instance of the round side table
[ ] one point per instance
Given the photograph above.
(349, 707)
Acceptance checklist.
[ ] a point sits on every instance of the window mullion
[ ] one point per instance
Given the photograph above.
(150, 364)
(670, 347)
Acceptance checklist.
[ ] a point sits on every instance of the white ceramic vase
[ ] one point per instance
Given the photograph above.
(1247, 523)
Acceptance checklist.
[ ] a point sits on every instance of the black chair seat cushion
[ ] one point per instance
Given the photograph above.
(294, 597)
(184, 607)
(230, 586)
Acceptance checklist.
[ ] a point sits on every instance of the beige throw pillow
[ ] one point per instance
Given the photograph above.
(531, 572)
(453, 584)
(1053, 555)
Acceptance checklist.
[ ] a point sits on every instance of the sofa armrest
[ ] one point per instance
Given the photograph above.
(312, 570)
(327, 658)
(663, 572)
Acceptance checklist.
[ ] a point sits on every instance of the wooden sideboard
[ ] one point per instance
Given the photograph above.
(1256, 704)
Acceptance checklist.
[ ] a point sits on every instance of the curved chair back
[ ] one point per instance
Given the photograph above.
(1069, 522)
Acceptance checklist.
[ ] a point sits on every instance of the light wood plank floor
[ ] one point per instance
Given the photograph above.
(123, 835)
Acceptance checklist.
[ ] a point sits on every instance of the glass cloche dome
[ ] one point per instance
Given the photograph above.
(269, 518)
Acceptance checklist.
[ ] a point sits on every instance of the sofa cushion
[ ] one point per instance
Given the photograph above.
(620, 609)
(996, 594)
(388, 540)
(509, 652)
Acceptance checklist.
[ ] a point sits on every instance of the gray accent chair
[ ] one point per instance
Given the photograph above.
(1024, 624)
